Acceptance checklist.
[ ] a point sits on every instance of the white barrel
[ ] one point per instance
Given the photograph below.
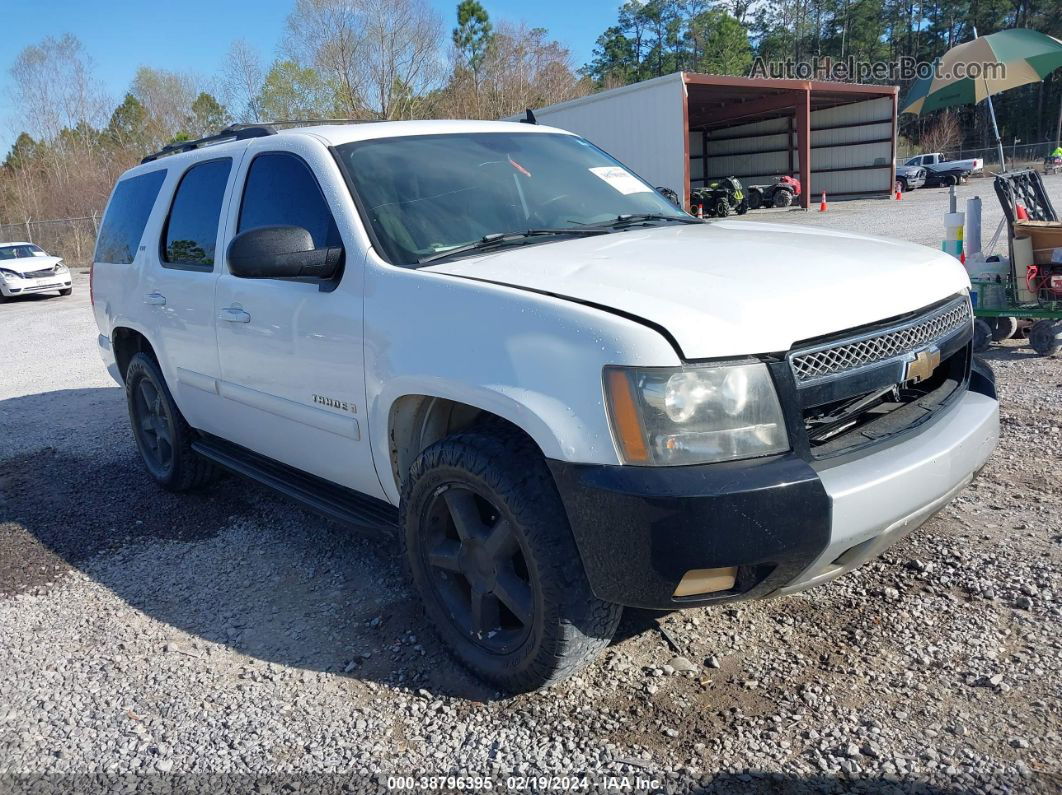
(1023, 258)
(972, 227)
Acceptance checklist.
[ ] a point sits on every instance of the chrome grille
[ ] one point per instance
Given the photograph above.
(851, 354)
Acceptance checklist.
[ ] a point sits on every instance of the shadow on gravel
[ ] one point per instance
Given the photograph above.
(246, 569)
(1008, 353)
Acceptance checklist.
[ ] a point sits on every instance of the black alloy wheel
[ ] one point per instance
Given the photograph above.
(478, 569)
(153, 427)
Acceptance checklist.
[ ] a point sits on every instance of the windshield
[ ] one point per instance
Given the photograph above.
(426, 194)
(21, 250)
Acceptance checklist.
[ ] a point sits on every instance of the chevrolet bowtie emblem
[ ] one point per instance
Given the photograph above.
(922, 365)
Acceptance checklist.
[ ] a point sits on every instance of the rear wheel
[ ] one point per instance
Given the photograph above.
(782, 198)
(950, 180)
(1045, 337)
(982, 335)
(162, 435)
(1004, 328)
(490, 550)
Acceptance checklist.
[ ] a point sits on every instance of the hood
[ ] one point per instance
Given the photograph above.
(29, 264)
(731, 288)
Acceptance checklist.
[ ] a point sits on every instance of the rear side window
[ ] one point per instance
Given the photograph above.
(191, 231)
(281, 190)
(127, 215)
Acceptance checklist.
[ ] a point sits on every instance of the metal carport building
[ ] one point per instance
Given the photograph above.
(682, 130)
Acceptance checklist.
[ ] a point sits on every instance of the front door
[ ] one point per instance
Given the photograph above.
(291, 350)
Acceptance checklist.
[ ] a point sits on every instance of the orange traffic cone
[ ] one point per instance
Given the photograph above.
(822, 204)
(1022, 213)
(899, 191)
(700, 211)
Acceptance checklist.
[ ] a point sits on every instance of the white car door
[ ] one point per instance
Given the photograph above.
(179, 273)
(292, 377)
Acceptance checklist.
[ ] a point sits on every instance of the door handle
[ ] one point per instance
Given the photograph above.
(233, 314)
(155, 299)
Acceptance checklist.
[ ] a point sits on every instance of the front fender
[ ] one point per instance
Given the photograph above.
(532, 359)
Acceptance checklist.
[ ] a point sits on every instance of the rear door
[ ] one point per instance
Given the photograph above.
(180, 273)
(291, 349)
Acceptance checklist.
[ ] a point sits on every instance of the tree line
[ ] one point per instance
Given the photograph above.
(346, 59)
(657, 37)
(399, 59)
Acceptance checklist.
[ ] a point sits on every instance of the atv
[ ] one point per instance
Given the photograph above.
(719, 198)
(779, 194)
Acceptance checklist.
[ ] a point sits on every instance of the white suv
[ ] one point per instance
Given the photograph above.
(557, 392)
(26, 268)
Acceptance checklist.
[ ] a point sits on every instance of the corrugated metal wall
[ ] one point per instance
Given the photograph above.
(641, 125)
(851, 150)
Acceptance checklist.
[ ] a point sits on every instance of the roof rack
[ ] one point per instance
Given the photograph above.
(239, 132)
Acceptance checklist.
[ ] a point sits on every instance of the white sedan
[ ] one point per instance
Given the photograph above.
(26, 268)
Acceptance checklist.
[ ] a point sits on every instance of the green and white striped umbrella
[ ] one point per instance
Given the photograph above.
(1027, 55)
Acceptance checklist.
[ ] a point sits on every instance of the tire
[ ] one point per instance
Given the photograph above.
(949, 180)
(1004, 328)
(903, 185)
(1045, 337)
(782, 198)
(743, 207)
(162, 435)
(982, 335)
(722, 208)
(67, 291)
(755, 199)
(545, 623)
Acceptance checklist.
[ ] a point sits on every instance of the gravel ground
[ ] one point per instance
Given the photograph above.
(229, 641)
(918, 217)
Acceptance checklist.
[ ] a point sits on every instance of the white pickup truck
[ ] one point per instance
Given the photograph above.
(557, 393)
(941, 171)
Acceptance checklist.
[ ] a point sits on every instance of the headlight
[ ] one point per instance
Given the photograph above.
(694, 414)
(9, 274)
(60, 266)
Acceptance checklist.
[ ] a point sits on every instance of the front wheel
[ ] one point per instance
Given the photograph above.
(490, 550)
(782, 198)
(755, 199)
(722, 208)
(1045, 337)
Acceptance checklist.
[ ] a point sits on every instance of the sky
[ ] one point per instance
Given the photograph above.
(194, 35)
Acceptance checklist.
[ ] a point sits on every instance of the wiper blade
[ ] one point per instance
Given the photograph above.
(631, 219)
(637, 218)
(501, 238)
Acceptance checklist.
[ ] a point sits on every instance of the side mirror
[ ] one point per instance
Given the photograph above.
(281, 252)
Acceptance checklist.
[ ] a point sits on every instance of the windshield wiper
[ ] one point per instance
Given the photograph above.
(502, 238)
(637, 218)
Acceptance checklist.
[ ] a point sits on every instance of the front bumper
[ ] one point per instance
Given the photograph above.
(786, 524)
(11, 287)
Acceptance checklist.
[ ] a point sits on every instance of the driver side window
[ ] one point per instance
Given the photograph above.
(281, 190)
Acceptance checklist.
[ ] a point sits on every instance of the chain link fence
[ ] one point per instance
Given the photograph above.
(73, 239)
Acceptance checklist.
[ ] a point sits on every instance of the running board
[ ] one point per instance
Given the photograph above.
(346, 506)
